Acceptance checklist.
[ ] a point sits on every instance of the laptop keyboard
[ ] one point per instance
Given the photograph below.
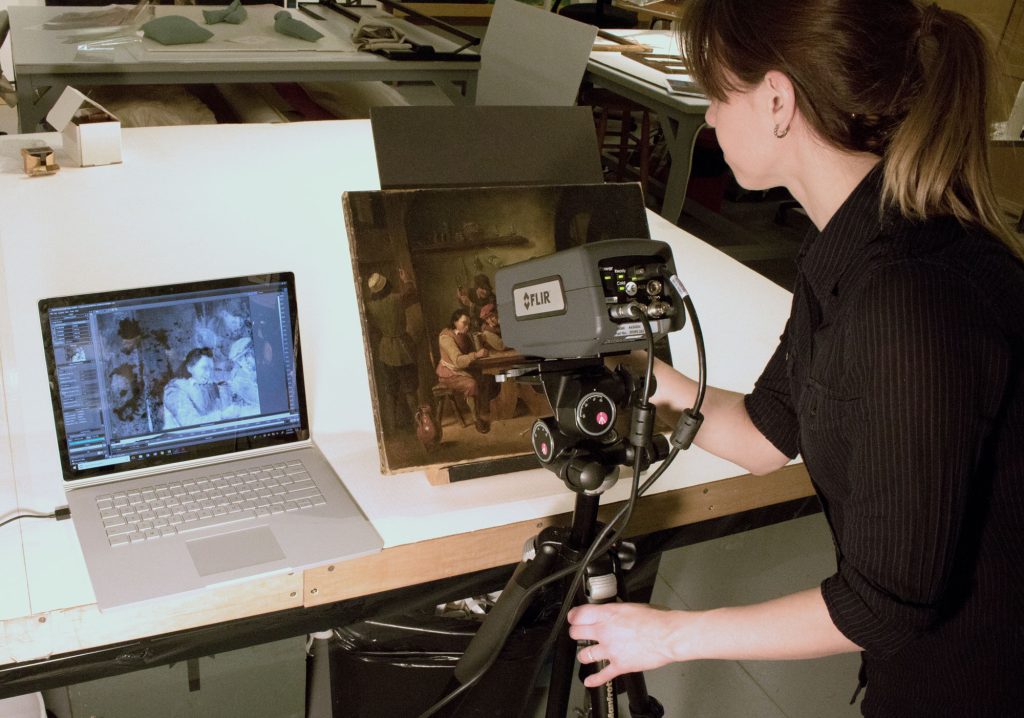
(178, 507)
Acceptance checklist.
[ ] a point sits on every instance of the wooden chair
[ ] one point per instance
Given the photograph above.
(623, 132)
(444, 396)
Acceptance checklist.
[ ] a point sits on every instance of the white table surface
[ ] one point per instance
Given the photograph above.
(221, 200)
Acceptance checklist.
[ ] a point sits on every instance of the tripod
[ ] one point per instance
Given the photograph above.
(604, 583)
(579, 445)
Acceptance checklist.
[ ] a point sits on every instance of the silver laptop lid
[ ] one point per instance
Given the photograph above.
(160, 375)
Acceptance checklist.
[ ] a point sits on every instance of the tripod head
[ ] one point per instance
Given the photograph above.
(580, 443)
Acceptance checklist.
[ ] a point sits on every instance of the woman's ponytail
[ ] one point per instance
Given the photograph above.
(937, 158)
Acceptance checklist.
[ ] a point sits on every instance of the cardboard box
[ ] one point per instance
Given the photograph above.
(1015, 125)
(92, 135)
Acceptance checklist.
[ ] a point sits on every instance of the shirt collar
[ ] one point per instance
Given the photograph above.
(825, 255)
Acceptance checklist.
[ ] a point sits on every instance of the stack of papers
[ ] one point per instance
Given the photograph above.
(682, 85)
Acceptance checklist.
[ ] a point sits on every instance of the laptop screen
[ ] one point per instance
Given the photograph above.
(144, 377)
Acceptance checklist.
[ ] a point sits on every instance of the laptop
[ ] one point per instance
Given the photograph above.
(184, 441)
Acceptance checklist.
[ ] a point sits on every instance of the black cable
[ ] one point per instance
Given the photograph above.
(702, 360)
(61, 513)
(27, 516)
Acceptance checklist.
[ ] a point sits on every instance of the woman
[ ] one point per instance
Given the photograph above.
(898, 378)
(455, 369)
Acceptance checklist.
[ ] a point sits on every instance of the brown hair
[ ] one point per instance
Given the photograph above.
(906, 82)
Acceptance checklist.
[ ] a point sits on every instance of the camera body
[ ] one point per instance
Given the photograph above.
(581, 302)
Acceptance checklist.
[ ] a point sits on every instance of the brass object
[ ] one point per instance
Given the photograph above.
(39, 161)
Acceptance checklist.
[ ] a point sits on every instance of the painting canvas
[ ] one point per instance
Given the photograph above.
(424, 262)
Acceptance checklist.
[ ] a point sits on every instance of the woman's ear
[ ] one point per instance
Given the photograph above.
(781, 98)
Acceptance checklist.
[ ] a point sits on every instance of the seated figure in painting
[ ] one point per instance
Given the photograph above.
(475, 299)
(510, 393)
(193, 397)
(456, 371)
(490, 329)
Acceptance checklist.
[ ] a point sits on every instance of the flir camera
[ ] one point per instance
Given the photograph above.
(583, 302)
(566, 312)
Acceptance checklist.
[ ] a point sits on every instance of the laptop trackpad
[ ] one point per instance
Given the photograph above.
(239, 549)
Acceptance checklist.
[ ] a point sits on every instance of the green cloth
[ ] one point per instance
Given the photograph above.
(285, 24)
(233, 13)
(175, 30)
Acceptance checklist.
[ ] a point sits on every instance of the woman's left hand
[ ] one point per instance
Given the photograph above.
(630, 637)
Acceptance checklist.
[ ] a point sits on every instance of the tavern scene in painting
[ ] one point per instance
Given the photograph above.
(424, 263)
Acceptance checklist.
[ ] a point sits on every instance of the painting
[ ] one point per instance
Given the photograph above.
(424, 262)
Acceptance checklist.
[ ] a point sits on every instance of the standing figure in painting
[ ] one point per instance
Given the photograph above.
(242, 381)
(386, 312)
(125, 391)
(476, 299)
(193, 397)
(455, 370)
(135, 359)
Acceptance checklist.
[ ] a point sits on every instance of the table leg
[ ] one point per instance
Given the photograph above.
(680, 133)
(34, 102)
(459, 92)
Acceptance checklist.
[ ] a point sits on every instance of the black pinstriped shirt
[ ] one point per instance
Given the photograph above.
(900, 380)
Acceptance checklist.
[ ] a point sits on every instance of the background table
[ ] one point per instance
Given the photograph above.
(680, 117)
(46, 61)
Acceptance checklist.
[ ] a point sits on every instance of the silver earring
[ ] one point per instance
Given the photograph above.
(778, 134)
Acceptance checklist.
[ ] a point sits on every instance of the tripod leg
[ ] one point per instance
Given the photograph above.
(606, 588)
(562, 662)
(641, 703)
(604, 703)
(503, 616)
(603, 584)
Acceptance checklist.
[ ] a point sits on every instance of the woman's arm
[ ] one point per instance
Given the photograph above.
(633, 637)
(727, 430)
